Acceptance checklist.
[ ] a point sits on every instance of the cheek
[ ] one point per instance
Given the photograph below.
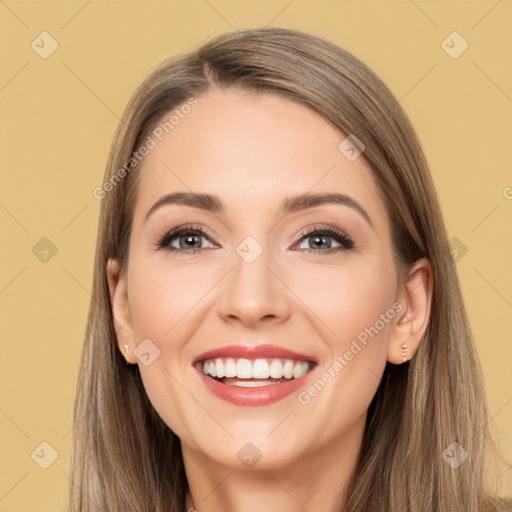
(355, 306)
(164, 302)
(162, 296)
(348, 298)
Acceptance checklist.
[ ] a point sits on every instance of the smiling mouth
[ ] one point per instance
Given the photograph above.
(253, 373)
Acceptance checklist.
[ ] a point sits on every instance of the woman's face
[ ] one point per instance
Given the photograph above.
(257, 267)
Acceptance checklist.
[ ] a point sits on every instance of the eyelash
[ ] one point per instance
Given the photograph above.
(345, 240)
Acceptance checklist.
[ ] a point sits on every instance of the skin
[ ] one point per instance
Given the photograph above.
(253, 150)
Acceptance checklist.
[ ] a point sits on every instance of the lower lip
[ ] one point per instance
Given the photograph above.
(250, 397)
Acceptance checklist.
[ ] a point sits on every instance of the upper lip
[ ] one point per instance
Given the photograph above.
(263, 351)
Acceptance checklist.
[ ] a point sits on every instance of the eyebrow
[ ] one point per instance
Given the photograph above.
(292, 204)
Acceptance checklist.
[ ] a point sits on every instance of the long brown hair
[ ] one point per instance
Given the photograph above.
(125, 458)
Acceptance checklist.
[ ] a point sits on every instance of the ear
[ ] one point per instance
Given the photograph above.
(121, 311)
(410, 324)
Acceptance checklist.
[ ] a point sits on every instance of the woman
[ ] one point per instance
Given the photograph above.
(277, 322)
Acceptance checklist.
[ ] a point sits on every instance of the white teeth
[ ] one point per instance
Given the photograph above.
(219, 368)
(276, 369)
(252, 383)
(230, 368)
(243, 369)
(288, 369)
(260, 369)
(300, 369)
(255, 369)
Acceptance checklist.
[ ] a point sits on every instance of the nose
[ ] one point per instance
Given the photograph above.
(253, 293)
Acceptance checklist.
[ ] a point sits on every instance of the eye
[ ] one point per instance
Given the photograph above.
(317, 238)
(184, 239)
(320, 240)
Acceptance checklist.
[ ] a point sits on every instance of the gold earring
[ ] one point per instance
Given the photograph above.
(126, 350)
(126, 358)
(405, 352)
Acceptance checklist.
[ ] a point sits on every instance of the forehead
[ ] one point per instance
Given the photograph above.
(252, 150)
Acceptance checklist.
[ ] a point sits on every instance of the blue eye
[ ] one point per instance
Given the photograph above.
(319, 236)
(189, 239)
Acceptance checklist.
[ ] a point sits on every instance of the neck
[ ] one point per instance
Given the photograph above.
(311, 482)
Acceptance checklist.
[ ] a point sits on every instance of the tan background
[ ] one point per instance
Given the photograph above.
(58, 116)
